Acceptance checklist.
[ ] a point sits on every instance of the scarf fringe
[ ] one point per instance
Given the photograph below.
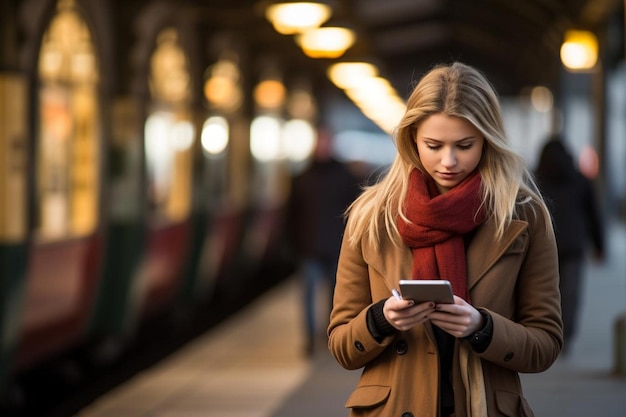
(473, 380)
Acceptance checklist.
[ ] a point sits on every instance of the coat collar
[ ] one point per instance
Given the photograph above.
(396, 262)
(483, 251)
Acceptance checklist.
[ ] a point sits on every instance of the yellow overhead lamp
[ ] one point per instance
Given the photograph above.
(326, 42)
(290, 18)
(579, 51)
(370, 90)
(347, 74)
(372, 94)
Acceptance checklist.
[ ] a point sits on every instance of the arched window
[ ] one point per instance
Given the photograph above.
(68, 136)
(169, 130)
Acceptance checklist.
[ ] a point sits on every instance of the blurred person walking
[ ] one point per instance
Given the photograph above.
(577, 221)
(319, 197)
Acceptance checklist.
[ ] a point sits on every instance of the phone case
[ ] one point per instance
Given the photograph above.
(438, 291)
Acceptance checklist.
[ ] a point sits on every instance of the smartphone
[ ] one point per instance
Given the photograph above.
(419, 290)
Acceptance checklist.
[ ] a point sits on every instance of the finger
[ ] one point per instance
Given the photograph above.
(454, 330)
(406, 321)
(450, 308)
(395, 304)
(444, 317)
(450, 320)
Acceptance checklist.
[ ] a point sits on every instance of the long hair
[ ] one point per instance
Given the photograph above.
(454, 90)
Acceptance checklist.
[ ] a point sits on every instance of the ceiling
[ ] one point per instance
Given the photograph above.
(516, 43)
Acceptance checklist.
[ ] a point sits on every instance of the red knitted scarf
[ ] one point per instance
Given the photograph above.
(438, 223)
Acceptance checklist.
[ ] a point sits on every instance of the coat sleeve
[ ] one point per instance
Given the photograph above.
(350, 341)
(531, 340)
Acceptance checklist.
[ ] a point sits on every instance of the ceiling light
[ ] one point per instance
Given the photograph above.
(579, 51)
(347, 74)
(297, 17)
(326, 42)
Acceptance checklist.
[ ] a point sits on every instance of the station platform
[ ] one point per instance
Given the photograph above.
(252, 364)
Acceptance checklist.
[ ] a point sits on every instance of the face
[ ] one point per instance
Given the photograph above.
(449, 149)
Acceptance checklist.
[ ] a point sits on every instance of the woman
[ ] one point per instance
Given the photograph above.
(457, 204)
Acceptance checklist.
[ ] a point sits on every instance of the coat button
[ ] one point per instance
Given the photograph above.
(359, 346)
(508, 357)
(401, 347)
(407, 414)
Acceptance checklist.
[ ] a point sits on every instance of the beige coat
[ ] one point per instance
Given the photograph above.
(515, 279)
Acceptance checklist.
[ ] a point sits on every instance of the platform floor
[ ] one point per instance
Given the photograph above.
(252, 364)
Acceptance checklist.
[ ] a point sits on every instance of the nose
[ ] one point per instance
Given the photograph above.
(448, 158)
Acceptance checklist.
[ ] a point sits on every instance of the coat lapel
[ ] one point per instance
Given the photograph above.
(392, 262)
(483, 251)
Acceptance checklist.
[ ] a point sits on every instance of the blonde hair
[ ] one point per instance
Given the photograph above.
(454, 90)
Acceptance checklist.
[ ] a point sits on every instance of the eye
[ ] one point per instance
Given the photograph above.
(466, 146)
(433, 147)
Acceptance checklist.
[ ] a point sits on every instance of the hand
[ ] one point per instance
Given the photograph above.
(404, 314)
(459, 319)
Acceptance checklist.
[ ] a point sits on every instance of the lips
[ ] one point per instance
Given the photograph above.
(448, 175)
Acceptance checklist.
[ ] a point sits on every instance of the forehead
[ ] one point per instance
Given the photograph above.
(443, 127)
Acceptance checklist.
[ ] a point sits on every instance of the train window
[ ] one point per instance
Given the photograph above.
(169, 132)
(13, 165)
(69, 128)
(224, 135)
(222, 88)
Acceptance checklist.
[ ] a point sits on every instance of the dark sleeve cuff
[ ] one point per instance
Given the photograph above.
(481, 339)
(377, 324)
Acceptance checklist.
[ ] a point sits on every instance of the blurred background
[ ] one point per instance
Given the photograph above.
(147, 148)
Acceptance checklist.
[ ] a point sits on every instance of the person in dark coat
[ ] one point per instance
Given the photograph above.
(577, 222)
(319, 197)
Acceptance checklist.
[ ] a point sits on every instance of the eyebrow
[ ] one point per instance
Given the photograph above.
(458, 140)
